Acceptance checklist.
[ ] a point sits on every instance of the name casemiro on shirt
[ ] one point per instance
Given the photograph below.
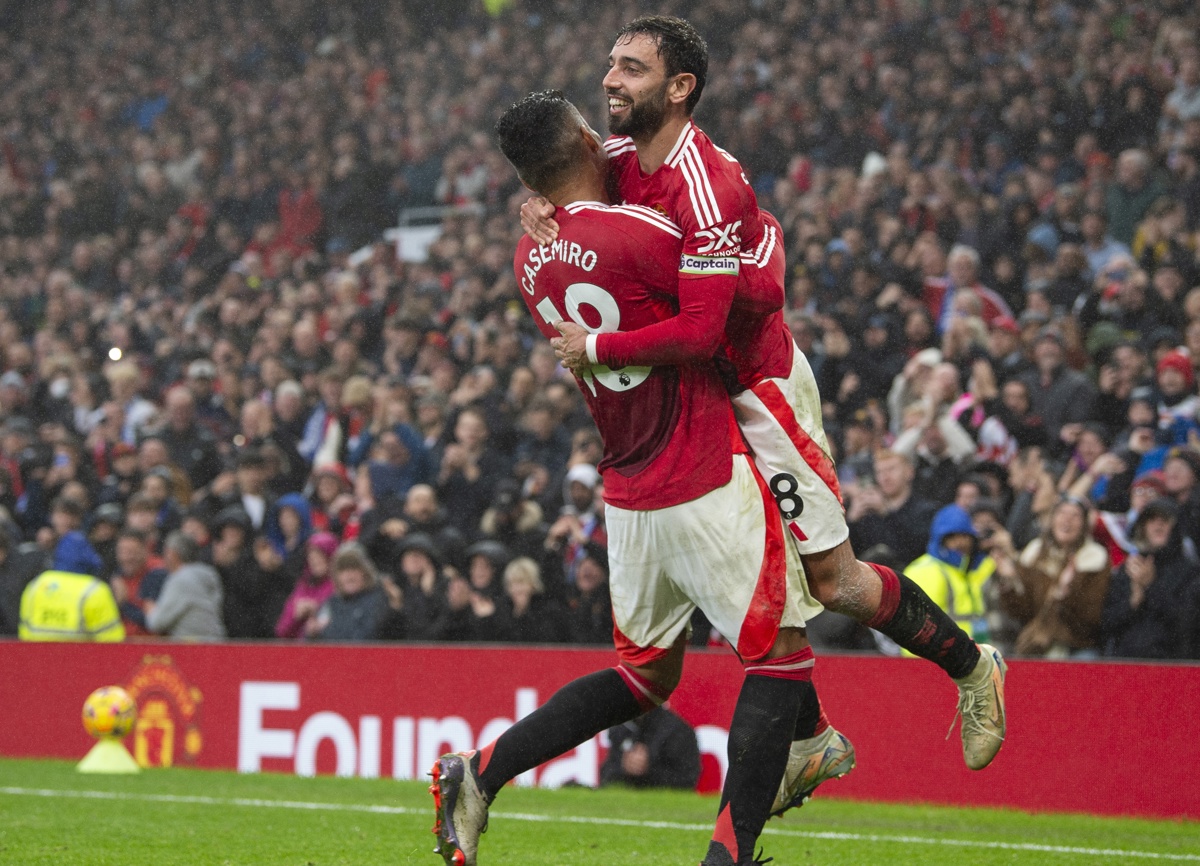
(567, 252)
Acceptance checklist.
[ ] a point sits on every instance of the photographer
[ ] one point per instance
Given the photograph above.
(656, 750)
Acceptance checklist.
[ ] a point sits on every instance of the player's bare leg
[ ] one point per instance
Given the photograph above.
(465, 783)
(879, 598)
(759, 738)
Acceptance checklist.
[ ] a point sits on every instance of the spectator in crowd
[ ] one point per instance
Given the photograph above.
(262, 431)
(886, 511)
(423, 513)
(1099, 247)
(658, 749)
(313, 588)
(516, 522)
(1055, 587)
(1058, 394)
(486, 562)
(954, 569)
(138, 579)
(527, 615)
(1178, 402)
(1111, 526)
(470, 468)
(464, 615)
(68, 602)
(1145, 612)
(962, 272)
(331, 498)
(422, 582)
(580, 520)
(1129, 197)
(124, 477)
(17, 568)
(233, 558)
(936, 442)
(153, 254)
(190, 604)
(359, 608)
(103, 525)
(289, 526)
(588, 602)
(190, 445)
(245, 488)
(1181, 477)
(397, 460)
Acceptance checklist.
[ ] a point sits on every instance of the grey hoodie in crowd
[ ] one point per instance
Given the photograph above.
(190, 604)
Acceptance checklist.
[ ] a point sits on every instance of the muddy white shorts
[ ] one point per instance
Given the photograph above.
(726, 553)
(781, 420)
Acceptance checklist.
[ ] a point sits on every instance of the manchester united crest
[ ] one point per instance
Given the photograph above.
(168, 724)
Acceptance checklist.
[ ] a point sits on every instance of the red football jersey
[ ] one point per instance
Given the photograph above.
(729, 244)
(667, 429)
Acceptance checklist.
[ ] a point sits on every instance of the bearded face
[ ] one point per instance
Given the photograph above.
(638, 117)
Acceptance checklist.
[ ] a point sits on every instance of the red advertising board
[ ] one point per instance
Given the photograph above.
(389, 710)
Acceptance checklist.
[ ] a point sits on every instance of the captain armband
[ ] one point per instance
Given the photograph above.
(705, 266)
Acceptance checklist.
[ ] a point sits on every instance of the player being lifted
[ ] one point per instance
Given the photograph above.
(661, 159)
(691, 522)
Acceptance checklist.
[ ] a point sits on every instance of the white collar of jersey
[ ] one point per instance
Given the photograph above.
(580, 205)
(685, 136)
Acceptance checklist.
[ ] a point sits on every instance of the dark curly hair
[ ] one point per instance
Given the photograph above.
(538, 136)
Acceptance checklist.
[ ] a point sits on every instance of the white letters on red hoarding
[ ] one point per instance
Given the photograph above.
(416, 743)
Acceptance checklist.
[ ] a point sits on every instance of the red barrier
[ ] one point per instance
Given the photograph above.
(389, 710)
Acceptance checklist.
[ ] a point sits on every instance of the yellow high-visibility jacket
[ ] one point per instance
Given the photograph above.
(958, 591)
(63, 606)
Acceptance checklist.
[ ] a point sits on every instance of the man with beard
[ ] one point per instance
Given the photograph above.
(659, 158)
(691, 522)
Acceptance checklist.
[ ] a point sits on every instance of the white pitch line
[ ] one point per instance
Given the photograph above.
(830, 836)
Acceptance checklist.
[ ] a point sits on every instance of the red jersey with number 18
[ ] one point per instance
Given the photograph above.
(668, 431)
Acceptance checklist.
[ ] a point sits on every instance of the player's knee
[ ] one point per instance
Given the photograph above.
(826, 588)
(833, 577)
(661, 674)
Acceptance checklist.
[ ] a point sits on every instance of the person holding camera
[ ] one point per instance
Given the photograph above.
(1149, 610)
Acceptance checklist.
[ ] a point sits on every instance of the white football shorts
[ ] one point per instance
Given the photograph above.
(725, 552)
(781, 420)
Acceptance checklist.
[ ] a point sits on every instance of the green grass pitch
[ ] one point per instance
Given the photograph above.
(52, 815)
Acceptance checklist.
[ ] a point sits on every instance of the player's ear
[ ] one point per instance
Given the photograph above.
(590, 140)
(681, 87)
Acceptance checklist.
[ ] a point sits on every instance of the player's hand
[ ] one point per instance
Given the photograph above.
(537, 219)
(571, 347)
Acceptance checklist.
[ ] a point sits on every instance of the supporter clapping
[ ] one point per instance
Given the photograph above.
(1055, 587)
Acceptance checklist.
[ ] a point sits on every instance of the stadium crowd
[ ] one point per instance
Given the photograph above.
(992, 217)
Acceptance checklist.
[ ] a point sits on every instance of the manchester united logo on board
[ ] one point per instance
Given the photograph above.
(168, 723)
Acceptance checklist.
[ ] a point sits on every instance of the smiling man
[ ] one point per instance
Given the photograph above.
(660, 159)
(690, 521)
